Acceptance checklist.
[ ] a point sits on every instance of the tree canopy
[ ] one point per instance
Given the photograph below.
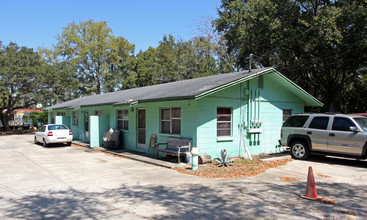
(22, 79)
(175, 60)
(321, 45)
(103, 62)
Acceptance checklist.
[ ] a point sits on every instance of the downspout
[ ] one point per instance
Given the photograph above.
(258, 117)
(240, 124)
(250, 119)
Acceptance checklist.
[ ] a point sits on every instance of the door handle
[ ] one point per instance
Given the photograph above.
(309, 132)
(332, 134)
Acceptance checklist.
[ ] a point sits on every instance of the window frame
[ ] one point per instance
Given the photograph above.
(284, 116)
(122, 119)
(231, 122)
(75, 118)
(169, 120)
(99, 112)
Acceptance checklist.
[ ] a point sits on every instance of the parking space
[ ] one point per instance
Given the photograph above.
(68, 182)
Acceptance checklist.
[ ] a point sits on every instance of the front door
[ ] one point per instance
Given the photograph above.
(141, 133)
(86, 125)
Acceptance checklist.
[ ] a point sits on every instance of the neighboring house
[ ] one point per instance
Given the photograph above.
(361, 114)
(17, 117)
(214, 111)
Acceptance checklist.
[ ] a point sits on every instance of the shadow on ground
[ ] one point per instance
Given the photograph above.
(339, 161)
(234, 200)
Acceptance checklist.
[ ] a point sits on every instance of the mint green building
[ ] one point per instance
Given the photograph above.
(230, 111)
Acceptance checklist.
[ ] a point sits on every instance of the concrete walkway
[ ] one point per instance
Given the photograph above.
(133, 155)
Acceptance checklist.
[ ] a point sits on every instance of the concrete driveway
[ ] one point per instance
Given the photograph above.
(69, 183)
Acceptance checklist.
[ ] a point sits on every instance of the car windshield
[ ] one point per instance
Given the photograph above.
(56, 127)
(362, 122)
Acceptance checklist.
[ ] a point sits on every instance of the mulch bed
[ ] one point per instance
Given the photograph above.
(240, 168)
(11, 132)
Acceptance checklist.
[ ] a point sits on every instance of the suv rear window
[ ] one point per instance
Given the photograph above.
(296, 121)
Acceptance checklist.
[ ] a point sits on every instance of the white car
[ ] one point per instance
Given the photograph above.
(53, 133)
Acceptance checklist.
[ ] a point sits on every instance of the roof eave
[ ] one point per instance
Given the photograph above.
(313, 101)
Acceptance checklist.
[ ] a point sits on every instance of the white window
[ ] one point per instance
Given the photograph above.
(224, 122)
(123, 119)
(171, 120)
(75, 119)
(286, 114)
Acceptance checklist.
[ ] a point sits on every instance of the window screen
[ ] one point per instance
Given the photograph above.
(224, 122)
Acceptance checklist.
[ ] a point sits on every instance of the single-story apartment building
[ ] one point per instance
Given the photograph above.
(225, 111)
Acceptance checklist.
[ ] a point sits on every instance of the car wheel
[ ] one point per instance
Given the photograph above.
(35, 140)
(44, 143)
(69, 143)
(300, 150)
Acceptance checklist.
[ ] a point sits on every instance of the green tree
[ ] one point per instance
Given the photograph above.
(146, 67)
(175, 60)
(22, 78)
(38, 118)
(103, 63)
(62, 84)
(321, 45)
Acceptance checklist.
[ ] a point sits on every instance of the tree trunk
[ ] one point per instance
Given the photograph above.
(332, 106)
(4, 121)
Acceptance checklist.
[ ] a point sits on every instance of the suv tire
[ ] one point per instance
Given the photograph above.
(300, 150)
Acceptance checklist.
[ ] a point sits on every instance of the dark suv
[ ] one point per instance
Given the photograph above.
(331, 134)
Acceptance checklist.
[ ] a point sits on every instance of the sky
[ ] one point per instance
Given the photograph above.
(36, 23)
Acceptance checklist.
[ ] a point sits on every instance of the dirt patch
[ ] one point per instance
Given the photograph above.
(327, 201)
(347, 212)
(240, 168)
(95, 151)
(273, 155)
(289, 179)
(80, 146)
(322, 175)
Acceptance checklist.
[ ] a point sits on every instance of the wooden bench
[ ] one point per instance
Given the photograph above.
(175, 146)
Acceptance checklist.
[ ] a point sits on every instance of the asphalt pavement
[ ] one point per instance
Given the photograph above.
(62, 182)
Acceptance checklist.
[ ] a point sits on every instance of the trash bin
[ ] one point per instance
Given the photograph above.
(188, 157)
(112, 139)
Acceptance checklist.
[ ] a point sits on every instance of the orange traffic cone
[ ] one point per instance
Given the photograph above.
(311, 192)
